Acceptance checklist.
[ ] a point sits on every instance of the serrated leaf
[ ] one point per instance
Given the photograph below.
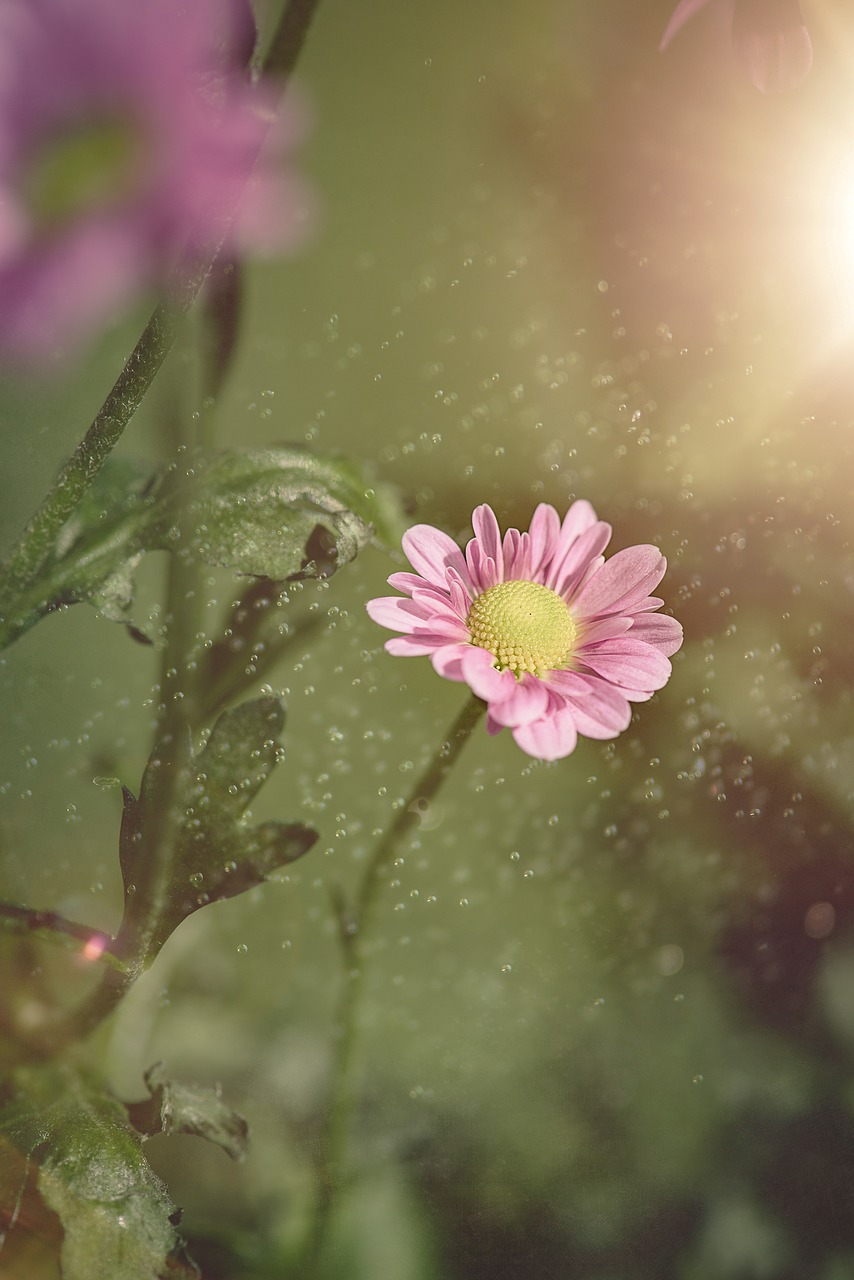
(180, 1108)
(215, 853)
(279, 513)
(92, 1173)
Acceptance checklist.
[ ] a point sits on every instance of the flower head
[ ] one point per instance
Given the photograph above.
(769, 38)
(126, 132)
(554, 638)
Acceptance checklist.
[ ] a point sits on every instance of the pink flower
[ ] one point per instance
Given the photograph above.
(126, 129)
(554, 638)
(769, 37)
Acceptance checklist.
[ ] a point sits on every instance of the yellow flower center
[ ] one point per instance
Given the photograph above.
(94, 165)
(526, 626)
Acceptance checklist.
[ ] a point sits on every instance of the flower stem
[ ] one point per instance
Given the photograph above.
(34, 544)
(354, 932)
(176, 713)
(39, 536)
(132, 947)
(17, 919)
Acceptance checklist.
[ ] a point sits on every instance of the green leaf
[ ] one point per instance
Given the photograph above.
(280, 513)
(215, 853)
(180, 1108)
(276, 513)
(116, 1215)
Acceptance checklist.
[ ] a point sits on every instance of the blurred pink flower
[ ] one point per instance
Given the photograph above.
(769, 37)
(554, 638)
(127, 128)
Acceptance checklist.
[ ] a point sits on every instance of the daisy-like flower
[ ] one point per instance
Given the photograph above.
(556, 639)
(769, 38)
(127, 131)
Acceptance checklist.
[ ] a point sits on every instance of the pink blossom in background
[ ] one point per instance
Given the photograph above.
(769, 37)
(126, 128)
(557, 640)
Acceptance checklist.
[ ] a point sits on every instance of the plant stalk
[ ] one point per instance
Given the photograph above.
(354, 934)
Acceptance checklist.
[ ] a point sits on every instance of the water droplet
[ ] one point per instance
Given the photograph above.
(670, 959)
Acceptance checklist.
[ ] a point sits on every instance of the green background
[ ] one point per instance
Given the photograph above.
(600, 1039)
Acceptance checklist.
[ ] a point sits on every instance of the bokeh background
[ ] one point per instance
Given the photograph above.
(608, 1032)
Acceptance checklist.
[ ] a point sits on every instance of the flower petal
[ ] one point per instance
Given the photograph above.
(550, 738)
(679, 17)
(638, 695)
(397, 613)
(409, 582)
(482, 568)
(527, 702)
(628, 664)
(565, 574)
(572, 684)
(461, 601)
(658, 629)
(592, 569)
(431, 552)
(604, 713)
(544, 533)
(579, 517)
(488, 536)
(415, 646)
(483, 677)
(434, 608)
(447, 661)
(622, 582)
(605, 629)
(451, 627)
(517, 557)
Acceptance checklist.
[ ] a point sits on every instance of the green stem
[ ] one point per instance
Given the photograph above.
(34, 544)
(176, 714)
(254, 620)
(289, 37)
(354, 931)
(19, 919)
(133, 945)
